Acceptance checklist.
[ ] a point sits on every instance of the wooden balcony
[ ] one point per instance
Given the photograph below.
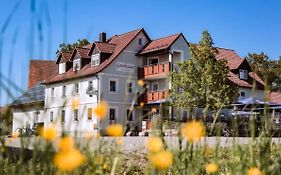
(154, 71)
(154, 96)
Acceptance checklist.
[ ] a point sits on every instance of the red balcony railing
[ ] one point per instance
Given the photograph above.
(154, 96)
(154, 71)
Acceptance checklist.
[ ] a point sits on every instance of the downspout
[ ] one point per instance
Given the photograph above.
(98, 99)
(171, 55)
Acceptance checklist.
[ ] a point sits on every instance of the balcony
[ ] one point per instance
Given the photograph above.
(154, 96)
(157, 71)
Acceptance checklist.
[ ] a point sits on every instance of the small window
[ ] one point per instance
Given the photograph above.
(129, 115)
(90, 113)
(76, 115)
(36, 116)
(112, 86)
(243, 74)
(76, 88)
(112, 113)
(61, 68)
(155, 87)
(129, 87)
(63, 91)
(63, 116)
(51, 116)
(140, 41)
(242, 94)
(95, 59)
(53, 92)
(76, 64)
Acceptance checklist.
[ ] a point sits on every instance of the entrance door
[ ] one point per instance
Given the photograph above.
(153, 61)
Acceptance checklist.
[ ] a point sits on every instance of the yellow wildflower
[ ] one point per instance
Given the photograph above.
(162, 159)
(141, 104)
(211, 168)
(68, 161)
(114, 130)
(141, 83)
(101, 110)
(15, 134)
(105, 166)
(193, 131)
(75, 103)
(153, 110)
(119, 141)
(154, 144)
(254, 171)
(49, 133)
(66, 144)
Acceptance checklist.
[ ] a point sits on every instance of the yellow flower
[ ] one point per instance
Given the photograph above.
(141, 104)
(15, 134)
(162, 159)
(66, 144)
(211, 168)
(153, 110)
(193, 131)
(75, 103)
(49, 133)
(141, 83)
(114, 130)
(154, 144)
(119, 141)
(101, 110)
(254, 171)
(105, 166)
(68, 161)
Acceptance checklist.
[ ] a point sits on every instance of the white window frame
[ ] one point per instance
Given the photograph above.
(150, 58)
(116, 88)
(154, 84)
(53, 92)
(62, 68)
(76, 90)
(36, 116)
(243, 74)
(75, 61)
(64, 91)
(133, 86)
(74, 119)
(116, 113)
(62, 121)
(96, 60)
(241, 94)
(51, 116)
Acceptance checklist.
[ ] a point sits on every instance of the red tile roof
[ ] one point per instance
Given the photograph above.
(237, 81)
(121, 42)
(274, 97)
(233, 60)
(41, 70)
(65, 55)
(105, 47)
(82, 52)
(160, 44)
(256, 77)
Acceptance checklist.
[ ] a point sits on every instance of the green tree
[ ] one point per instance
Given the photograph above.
(268, 70)
(70, 47)
(202, 81)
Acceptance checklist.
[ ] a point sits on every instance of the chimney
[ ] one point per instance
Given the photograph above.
(102, 37)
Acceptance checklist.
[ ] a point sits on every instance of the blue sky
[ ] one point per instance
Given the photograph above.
(243, 25)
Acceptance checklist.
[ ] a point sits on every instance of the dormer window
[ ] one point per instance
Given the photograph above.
(140, 41)
(243, 74)
(76, 64)
(95, 59)
(61, 68)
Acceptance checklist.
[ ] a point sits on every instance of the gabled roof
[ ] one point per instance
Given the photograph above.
(274, 97)
(257, 78)
(121, 42)
(105, 47)
(40, 70)
(81, 51)
(35, 94)
(65, 55)
(233, 60)
(160, 44)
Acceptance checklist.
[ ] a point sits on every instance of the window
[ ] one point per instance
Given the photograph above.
(242, 94)
(112, 113)
(90, 113)
(129, 87)
(155, 87)
(243, 74)
(140, 41)
(63, 91)
(51, 116)
(53, 92)
(76, 64)
(63, 116)
(76, 115)
(36, 116)
(153, 60)
(112, 86)
(95, 59)
(76, 88)
(61, 68)
(129, 115)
